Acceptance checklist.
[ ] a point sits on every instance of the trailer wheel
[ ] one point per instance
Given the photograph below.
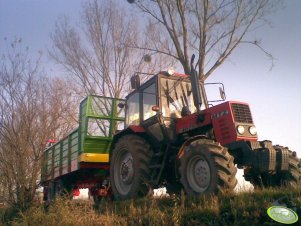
(50, 192)
(62, 189)
(129, 170)
(173, 188)
(59, 188)
(207, 167)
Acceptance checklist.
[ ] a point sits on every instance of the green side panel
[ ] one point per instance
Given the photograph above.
(46, 163)
(74, 139)
(57, 154)
(74, 149)
(64, 161)
(74, 156)
(64, 154)
(65, 147)
(49, 160)
(97, 145)
(60, 155)
(74, 146)
(82, 123)
(99, 119)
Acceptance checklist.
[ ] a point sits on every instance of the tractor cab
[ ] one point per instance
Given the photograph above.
(169, 94)
(161, 100)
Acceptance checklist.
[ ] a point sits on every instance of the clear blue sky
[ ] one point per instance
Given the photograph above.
(274, 96)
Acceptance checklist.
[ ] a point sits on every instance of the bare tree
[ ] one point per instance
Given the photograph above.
(99, 55)
(32, 108)
(214, 29)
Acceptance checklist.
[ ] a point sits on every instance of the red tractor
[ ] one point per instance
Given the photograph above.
(174, 138)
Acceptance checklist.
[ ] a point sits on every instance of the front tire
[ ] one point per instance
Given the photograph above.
(207, 167)
(129, 170)
(291, 177)
(288, 178)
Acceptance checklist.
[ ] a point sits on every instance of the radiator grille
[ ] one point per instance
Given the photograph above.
(242, 113)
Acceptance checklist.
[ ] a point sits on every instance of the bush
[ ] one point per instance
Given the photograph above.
(246, 208)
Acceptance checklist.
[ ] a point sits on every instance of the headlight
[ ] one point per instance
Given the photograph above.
(240, 129)
(253, 130)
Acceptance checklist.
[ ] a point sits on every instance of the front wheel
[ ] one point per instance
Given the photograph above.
(207, 167)
(129, 170)
(291, 177)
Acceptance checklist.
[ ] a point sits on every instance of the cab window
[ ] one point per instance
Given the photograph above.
(132, 110)
(149, 100)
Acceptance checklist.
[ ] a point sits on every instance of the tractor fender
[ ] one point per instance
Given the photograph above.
(187, 143)
(132, 129)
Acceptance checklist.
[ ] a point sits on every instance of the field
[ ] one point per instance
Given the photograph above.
(244, 208)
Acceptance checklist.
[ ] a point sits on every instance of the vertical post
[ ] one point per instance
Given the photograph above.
(61, 157)
(69, 153)
(195, 85)
(52, 162)
(112, 122)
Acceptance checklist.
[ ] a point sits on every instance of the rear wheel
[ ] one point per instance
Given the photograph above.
(207, 167)
(129, 171)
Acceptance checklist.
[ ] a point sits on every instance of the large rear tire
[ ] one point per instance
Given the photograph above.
(207, 167)
(129, 170)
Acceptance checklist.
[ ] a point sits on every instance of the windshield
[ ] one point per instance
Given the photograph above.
(175, 94)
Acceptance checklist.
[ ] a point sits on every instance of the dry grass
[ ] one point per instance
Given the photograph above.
(245, 208)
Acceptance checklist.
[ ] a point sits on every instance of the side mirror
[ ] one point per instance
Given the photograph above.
(222, 93)
(135, 81)
(215, 92)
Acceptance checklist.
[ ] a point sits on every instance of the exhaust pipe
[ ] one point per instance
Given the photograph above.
(195, 85)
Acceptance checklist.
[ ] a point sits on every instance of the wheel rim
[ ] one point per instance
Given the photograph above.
(124, 172)
(198, 174)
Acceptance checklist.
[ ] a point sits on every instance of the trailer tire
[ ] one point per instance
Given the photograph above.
(207, 167)
(173, 188)
(50, 192)
(63, 189)
(59, 188)
(129, 169)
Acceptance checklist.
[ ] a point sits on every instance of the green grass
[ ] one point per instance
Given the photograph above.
(246, 208)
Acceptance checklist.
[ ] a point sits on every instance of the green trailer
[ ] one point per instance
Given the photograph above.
(81, 159)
